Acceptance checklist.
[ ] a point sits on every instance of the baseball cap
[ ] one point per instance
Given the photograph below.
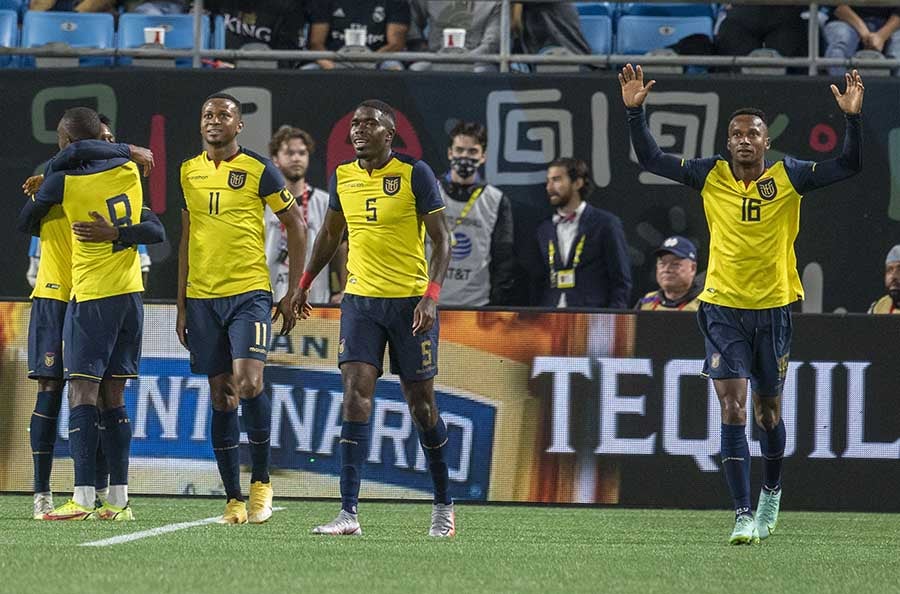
(893, 255)
(680, 246)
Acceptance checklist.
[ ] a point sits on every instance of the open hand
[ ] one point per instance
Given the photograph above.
(96, 231)
(851, 100)
(633, 90)
(284, 311)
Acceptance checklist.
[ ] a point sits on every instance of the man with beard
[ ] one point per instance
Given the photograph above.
(224, 295)
(480, 218)
(890, 303)
(290, 150)
(583, 248)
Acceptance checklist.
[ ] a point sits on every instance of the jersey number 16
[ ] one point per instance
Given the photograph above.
(750, 209)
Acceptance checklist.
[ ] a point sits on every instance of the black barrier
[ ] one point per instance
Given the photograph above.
(846, 230)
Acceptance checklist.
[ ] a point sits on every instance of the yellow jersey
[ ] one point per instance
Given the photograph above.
(384, 221)
(225, 201)
(112, 188)
(54, 277)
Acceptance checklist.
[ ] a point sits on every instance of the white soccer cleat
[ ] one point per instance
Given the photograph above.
(346, 524)
(443, 521)
(43, 504)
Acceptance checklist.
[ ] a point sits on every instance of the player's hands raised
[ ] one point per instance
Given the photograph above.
(284, 310)
(633, 89)
(424, 316)
(851, 100)
(143, 157)
(33, 184)
(96, 231)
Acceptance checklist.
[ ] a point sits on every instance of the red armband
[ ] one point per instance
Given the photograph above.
(433, 291)
(306, 281)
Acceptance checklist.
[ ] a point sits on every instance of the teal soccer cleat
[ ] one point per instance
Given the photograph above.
(744, 531)
(767, 512)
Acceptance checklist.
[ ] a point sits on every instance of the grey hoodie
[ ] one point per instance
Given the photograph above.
(481, 20)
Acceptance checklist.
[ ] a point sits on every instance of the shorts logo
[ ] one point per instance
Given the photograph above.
(49, 359)
(767, 188)
(391, 185)
(237, 179)
(341, 347)
(715, 360)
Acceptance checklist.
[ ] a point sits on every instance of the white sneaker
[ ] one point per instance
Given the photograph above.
(443, 521)
(346, 524)
(43, 504)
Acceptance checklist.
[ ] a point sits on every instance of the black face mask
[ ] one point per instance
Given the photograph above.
(464, 166)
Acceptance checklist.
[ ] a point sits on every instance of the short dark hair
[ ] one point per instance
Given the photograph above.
(752, 111)
(473, 129)
(81, 123)
(227, 97)
(385, 109)
(576, 169)
(287, 133)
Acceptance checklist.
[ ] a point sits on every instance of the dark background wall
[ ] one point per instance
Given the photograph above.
(845, 233)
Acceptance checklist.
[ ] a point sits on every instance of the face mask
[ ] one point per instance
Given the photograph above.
(464, 166)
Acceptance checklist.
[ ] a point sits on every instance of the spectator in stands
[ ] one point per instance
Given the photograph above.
(545, 24)
(280, 24)
(73, 5)
(864, 27)
(386, 23)
(890, 303)
(583, 250)
(676, 275)
(749, 27)
(479, 216)
(156, 7)
(481, 20)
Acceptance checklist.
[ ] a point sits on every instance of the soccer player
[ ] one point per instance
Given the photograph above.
(753, 210)
(104, 321)
(388, 202)
(52, 269)
(224, 294)
(290, 149)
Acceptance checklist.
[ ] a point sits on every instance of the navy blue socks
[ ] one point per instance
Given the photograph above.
(433, 441)
(354, 446)
(116, 442)
(43, 437)
(736, 463)
(772, 444)
(257, 416)
(226, 437)
(83, 439)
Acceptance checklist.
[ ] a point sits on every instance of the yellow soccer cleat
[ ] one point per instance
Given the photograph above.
(235, 513)
(260, 502)
(107, 511)
(71, 511)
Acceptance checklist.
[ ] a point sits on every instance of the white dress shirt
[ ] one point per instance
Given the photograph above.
(566, 232)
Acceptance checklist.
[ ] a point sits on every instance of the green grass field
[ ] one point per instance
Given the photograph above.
(497, 549)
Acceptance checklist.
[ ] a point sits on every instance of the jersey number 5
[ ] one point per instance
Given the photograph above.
(370, 208)
(119, 217)
(750, 210)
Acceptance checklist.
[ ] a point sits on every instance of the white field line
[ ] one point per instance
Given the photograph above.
(106, 542)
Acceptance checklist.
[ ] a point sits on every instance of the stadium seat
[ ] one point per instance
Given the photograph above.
(639, 34)
(865, 54)
(596, 8)
(9, 33)
(218, 33)
(764, 52)
(666, 9)
(74, 29)
(555, 50)
(598, 33)
(179, 35)
(17, 6)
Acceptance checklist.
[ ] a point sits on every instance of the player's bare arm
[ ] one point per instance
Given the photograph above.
(426, 311)
(851, 100)
(327, 242)
(339, 268)
(181, 301)
(634, 92)
(295, 226)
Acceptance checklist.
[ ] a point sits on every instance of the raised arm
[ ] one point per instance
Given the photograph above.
(98, 150)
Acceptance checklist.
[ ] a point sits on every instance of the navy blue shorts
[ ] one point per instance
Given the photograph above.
(222, 329)
(45, 335)
(368, 324)
(747, 343)
(102, 338)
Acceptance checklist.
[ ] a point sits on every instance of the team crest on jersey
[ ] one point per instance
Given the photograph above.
(391, 185)
(49, 359)
(767, 188)
(237, 179)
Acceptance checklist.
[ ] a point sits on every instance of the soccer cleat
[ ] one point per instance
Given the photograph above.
(71, 511)
(260, 502)
(767, 512)
(235, 513)
(346, 524)
(744, 531)
(43, 504)
(443, 521)
(107, 511)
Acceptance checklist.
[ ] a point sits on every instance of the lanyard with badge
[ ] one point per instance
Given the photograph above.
(465, 212)
(564, 279)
